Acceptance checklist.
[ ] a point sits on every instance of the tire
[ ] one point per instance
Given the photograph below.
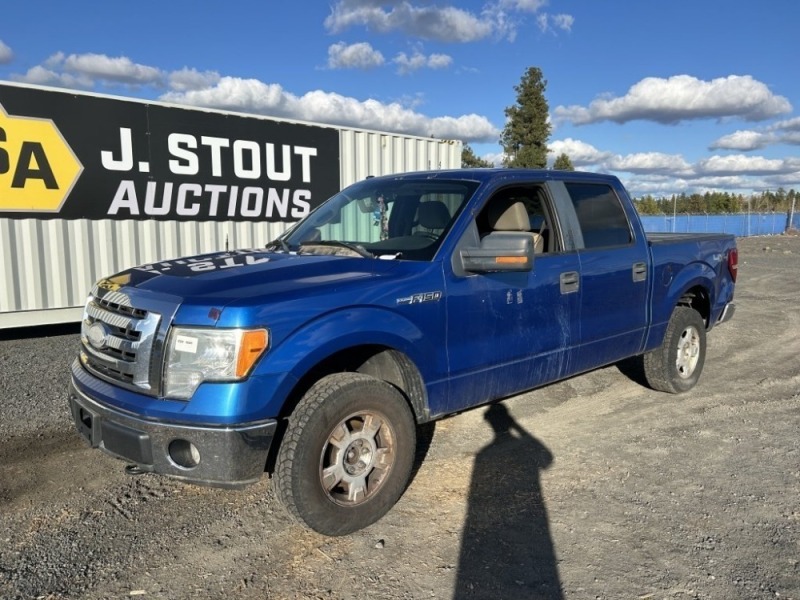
(347, 454)
(676, 366)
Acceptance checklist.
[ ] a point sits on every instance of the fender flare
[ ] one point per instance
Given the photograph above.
(693, 275)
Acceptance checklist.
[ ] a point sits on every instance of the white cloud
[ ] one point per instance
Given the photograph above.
(447, 24)
(562, 21)
(648, 162)
(40, 75)
(191, 79)
(548, 22)
(354, 56)
(730, 182)
(788, 125)
(739, 164)
(791, 180)
(444, 23)
(495, 158)
(439, 61)
(523, 5)
(407, 64)
(250, 95)
(742, 140)
(657, 186)
(782, 132)
(580, 153)
(6, 55)
(681, 98)
(208, 89)
(119, 69)
(541, 21)
(87, 70)
(665, 174)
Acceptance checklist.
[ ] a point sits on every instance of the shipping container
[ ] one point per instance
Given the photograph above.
(93, 184)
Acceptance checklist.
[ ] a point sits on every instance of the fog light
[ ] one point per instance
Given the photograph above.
(184, 454)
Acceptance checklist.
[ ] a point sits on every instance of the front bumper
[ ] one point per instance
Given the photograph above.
(224, 456)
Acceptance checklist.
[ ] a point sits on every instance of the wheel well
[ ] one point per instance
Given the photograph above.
(380, 362)
(698, 299)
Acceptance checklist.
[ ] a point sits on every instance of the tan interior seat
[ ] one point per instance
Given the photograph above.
(432, 218)
(510, 215)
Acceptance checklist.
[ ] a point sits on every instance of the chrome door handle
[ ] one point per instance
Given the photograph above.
(639, 271)
(570, 282)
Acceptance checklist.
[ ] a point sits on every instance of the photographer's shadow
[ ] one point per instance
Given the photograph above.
(506, 548)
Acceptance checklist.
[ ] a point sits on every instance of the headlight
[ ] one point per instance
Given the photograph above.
(198, 355)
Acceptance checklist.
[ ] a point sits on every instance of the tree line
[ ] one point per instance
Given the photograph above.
(718, 203)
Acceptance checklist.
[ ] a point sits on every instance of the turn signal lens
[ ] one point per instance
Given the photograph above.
(252, 347)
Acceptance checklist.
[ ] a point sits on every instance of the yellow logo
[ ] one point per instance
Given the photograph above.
(37, 167)
(114, 283)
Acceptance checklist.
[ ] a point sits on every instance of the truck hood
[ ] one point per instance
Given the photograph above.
(243, 276)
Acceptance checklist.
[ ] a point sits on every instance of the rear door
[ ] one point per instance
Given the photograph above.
(614, 276)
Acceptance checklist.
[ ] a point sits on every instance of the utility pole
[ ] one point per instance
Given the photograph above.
(791, 215)
(674, 211)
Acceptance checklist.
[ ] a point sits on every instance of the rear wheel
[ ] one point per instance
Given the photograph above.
(347, 454)
(675, 367)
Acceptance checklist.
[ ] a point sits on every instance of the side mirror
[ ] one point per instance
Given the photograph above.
(502, 251)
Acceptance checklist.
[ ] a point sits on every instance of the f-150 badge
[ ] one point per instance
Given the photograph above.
(420, 298)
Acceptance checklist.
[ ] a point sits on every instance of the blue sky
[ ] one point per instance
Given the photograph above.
(678, 96)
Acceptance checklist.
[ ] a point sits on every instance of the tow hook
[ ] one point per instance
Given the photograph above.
(134, 470)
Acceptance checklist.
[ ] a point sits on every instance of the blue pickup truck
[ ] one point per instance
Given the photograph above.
(400, 300)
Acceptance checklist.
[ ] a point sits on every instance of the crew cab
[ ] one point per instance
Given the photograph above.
(398, 301)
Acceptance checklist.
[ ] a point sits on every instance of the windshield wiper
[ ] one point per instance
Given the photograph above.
(279, 243)
(357, 248)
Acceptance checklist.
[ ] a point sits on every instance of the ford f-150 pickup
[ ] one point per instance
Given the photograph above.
(400, 300)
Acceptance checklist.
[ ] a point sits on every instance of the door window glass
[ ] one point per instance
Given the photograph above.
(600, 214)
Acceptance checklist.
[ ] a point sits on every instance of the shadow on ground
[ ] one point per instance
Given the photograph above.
(506, 548)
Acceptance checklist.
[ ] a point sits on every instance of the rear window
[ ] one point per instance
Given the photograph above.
(600, 215)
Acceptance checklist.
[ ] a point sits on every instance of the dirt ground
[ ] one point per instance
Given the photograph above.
(595, 488)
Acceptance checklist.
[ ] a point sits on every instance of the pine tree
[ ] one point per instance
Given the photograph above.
(563, 163)
(524, 138)
(470, 160)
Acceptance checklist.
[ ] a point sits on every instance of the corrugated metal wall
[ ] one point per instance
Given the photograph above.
(367, 153)
(50, 265)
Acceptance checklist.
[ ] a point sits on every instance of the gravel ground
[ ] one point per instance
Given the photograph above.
(596, 488)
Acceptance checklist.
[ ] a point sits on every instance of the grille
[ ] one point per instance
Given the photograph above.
(117, 340)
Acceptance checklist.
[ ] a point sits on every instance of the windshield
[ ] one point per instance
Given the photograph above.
(392, 218)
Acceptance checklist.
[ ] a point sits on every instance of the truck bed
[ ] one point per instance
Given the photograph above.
(668, 238)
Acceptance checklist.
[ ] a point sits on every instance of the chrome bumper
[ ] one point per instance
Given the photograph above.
(727, 313)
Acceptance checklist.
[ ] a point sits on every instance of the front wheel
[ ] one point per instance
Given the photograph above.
(675, 367)
(347, 454)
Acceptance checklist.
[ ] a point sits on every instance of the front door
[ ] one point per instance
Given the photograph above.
(509, 332)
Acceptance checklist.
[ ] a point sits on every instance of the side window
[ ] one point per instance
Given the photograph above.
(499, 214)
(600, 214)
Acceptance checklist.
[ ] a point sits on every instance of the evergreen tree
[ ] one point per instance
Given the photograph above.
(563, 163)
(647, 205)
(524, 138)
(469, 159)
